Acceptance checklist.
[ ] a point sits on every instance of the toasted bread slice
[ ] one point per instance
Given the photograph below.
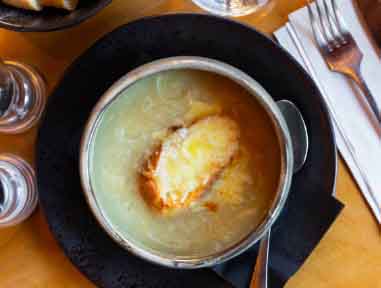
(66, 4)
(188, 162)
(26, 4)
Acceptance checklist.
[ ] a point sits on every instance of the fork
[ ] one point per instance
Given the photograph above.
(338, 47)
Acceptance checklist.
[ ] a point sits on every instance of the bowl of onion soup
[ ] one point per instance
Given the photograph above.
(186, 162)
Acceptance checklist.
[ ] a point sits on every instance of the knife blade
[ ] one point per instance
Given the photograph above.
(371, 10)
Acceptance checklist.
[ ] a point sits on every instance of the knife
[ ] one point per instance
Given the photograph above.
(371, 10)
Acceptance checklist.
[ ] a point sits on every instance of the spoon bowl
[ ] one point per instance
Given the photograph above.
(299, 137)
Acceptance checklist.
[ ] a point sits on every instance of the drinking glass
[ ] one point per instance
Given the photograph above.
(18, 190)
(22, 96)
(233, 8)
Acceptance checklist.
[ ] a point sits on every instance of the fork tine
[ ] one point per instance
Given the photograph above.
(318, 34)
(325, 24)
(332, 24)
(341, 26)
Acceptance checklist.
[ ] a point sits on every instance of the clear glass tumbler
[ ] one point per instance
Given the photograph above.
(18, 190)
(22, 96)
(234, 8)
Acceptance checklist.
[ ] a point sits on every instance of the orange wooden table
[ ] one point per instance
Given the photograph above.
(349, 255)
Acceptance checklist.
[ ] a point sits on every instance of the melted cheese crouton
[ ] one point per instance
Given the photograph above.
(66, 4)
(26, 4)
(188, 162)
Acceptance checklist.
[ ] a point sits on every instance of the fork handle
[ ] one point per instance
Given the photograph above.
(357, 77)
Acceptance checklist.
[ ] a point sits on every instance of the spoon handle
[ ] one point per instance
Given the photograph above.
(259, 279)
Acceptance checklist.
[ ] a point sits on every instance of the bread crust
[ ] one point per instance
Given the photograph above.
(25, 4)
(38, 4)
(65, 4)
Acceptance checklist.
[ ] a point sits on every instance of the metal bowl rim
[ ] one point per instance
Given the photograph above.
(197, 63)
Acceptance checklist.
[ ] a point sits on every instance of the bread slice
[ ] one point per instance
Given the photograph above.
(66, 4)
(188, 162)
(26, 4)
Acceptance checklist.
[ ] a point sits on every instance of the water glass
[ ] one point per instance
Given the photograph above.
(18, 190)
(22, 96)
(233, 8)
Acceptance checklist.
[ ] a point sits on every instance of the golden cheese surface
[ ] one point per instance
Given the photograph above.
(190, 160)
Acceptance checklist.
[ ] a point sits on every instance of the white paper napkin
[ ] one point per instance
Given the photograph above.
(357, 135)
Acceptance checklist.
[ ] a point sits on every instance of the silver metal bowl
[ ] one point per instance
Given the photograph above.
(257, 91)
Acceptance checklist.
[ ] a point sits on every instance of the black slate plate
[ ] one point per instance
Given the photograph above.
(48, 19)
(132, 45)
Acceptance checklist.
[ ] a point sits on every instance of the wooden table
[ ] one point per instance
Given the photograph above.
(348, 256)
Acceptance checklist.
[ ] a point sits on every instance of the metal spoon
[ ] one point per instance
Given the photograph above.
(299, 138)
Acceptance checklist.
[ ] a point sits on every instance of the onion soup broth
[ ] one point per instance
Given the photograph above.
(230, 207)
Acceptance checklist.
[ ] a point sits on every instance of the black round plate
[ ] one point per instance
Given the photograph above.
(126, 48)
(48, 19)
